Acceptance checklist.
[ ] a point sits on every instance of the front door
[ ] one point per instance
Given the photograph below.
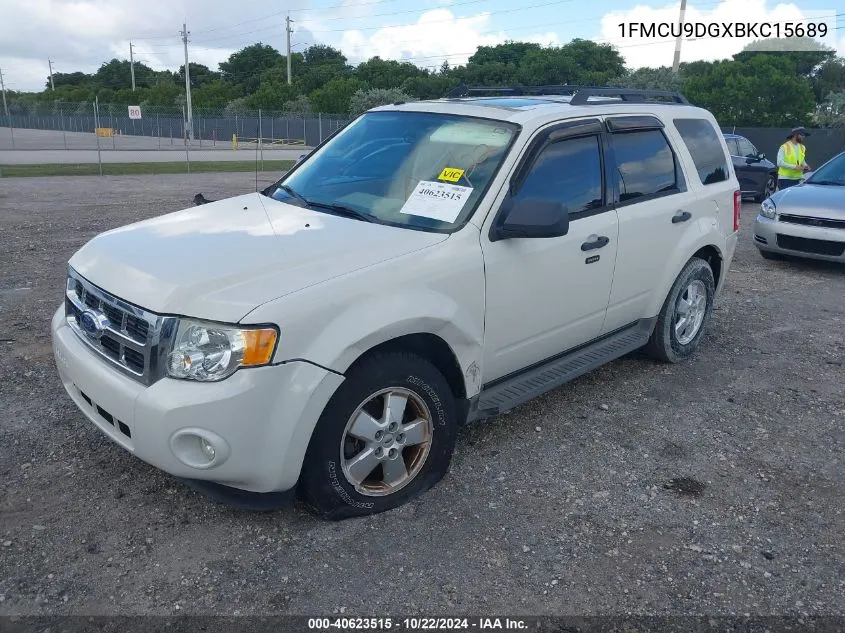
(548, 295)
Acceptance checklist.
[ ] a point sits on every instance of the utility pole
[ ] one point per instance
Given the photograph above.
(676, 63)
(132, 65)
(190, 130)
(288, 31)
(52, 85)
(3, 89)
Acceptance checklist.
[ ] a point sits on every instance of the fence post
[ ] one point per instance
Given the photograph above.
(97, 117)
(260, 139)
(62, 119)
(185, 136)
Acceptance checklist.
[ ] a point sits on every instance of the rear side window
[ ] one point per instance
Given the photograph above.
(703, 144)
(645, 164)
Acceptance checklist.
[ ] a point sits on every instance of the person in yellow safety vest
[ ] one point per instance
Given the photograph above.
(791, 163)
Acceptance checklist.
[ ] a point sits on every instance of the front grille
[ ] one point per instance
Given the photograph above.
(809, 221)
(129, 337)
(806, 245)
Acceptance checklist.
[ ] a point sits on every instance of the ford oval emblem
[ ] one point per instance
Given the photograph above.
(93, 323)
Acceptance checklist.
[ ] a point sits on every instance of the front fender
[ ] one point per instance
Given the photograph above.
(437, 291)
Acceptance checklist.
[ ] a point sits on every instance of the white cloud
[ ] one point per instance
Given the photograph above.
(639, 51)
(437, 35)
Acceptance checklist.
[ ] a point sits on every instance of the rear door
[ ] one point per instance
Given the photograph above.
(654, 205)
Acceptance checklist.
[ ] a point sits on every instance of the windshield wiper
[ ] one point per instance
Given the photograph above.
(292, 192)
(342, 210)
(826, 182)
(337, 208)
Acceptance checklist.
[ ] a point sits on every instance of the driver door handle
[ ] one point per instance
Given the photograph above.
(598, 242)
(681, 216)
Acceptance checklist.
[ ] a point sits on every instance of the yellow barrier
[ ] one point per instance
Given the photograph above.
(234, 141)
(104, 131)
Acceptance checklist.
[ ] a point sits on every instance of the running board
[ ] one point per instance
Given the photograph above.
(535, 381)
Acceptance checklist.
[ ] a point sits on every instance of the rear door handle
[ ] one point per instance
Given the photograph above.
(681, 216)
(598, 242)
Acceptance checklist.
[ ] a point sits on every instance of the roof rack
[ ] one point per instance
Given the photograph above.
(580, 94)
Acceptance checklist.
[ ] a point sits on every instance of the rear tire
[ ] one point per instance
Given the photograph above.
(386, 436)
(685, 314)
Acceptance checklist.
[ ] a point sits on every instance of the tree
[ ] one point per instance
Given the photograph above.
(805, 54)
(322, 55)
(216, 94)
(116, 74)
(508, 53)
(245, 66)
(763, 90)
(299, 106)
(381, 73)
(200, 75)
(271, 96)
(653, 79)
(364, 100)
(831, 113)
(334, 97)
(596, 64)
(830, 77)
(70, 79)
(429, 86)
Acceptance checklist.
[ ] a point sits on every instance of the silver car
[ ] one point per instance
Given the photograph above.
(808, 219)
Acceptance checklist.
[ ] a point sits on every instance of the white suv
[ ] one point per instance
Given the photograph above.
(432, 263)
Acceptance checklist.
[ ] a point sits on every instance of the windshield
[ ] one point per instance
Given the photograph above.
(416, 169)
(832, 173)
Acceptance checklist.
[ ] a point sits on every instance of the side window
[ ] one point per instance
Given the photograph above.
(746, 149)
(645, 164)
(568, 171)
(703, 144)
(732, 146)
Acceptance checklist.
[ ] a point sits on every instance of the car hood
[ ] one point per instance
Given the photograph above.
(221, 260)
(818, 201)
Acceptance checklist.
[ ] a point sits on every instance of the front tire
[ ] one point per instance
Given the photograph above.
(386, 436)
(768, 189)
(685, 315)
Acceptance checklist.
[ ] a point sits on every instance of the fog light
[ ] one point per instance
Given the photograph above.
(207, 448)
(199, 448)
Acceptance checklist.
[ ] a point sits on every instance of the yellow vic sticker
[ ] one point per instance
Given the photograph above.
(450, 174)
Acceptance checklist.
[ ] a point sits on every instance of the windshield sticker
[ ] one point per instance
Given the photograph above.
(451, 174)
(436, 200)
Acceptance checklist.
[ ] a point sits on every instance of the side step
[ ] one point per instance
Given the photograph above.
(528, 384)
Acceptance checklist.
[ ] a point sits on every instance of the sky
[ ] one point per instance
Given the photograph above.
(82, 34)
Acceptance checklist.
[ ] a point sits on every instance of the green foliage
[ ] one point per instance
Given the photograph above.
(831, 113)
(244, 67)
(162, 95)
(201, 75)
(271, 95)
(381, 73)
(763, 90)
(429, 87)
(830, 77)
(116, 74)
(363, 100)
(805, 61)
(653, 79)
(216, 94)
(70, 79)
(299, 106)
(334, 97)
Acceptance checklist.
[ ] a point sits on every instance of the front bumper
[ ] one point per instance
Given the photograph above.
(259, 420)
(799, 240)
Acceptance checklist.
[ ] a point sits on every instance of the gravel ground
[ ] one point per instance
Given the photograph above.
(563, 506)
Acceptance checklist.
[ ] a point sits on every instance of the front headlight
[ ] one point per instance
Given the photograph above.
(210, 351)
(768, 209)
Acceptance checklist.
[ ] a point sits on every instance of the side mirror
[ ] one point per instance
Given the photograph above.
(761, 156)
(531, 218)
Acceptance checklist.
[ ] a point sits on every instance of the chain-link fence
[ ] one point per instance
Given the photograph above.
(62, 125)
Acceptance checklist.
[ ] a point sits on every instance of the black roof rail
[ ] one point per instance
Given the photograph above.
(580, 94)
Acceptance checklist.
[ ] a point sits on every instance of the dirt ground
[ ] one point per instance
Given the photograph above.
(563, 506)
